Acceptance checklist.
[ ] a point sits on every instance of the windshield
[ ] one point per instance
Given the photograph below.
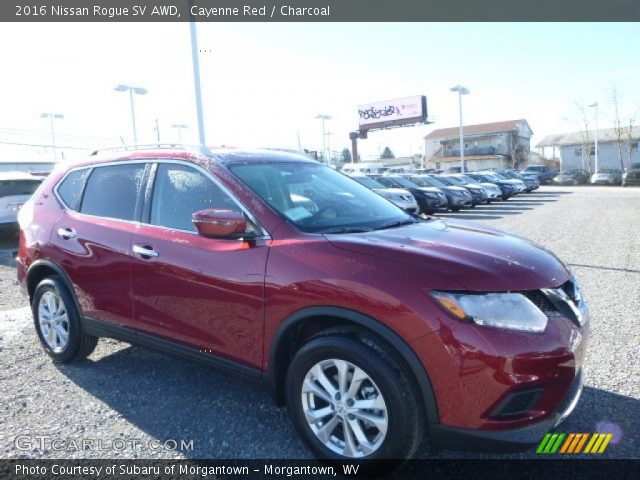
(367, 182)
(404, 182)
(317, 199)
(419, 182)
(457, 181)
(434, 182)
(469, 179)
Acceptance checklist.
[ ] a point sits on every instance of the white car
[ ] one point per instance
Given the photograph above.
(399, 196)
(15, 189)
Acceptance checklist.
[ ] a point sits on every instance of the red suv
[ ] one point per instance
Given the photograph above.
(372, 325)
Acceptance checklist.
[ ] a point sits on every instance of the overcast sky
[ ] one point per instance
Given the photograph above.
(263, 84)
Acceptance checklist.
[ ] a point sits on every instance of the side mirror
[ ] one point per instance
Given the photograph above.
(219, 223)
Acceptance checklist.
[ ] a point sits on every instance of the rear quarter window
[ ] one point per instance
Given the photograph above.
(70, 189)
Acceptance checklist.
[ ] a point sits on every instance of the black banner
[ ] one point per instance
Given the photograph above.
(542, 469)
(318, 10)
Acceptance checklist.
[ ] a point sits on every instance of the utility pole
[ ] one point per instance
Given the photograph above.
(461, 91)
(595, 105)
(52, 117)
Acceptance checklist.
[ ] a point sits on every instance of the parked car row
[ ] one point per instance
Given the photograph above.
(433, 193)
(604, 176)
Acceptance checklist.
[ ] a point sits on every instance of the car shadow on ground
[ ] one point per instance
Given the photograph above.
(227, 417)
(171, 398)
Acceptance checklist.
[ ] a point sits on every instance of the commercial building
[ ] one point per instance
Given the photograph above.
(616, 149)
(487, 145)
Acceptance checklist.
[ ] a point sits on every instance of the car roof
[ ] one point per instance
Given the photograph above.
(223, 155)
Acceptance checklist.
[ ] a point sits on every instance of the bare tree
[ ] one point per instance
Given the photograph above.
(585, 134)
(618, 127)
(630, 138)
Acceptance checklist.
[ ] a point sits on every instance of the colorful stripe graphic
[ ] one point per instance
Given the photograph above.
(553, 443)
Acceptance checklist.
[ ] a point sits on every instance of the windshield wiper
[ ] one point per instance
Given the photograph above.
(395, 224)
(347, 230)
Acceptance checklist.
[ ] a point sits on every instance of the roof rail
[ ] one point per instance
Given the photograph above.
(203, 149)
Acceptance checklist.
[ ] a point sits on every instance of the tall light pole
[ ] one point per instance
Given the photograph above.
(461, 91)
(595, 105)
(329, 147)
(132, 90)
(324, 117)
(52, 117)
(179, 127)
(195, 60)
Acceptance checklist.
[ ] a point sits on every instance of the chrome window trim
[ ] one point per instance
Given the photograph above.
(264, 234)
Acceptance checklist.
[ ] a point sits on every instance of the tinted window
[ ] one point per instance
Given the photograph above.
(179, 191)
(112, 191)
(18, 187)
(70, 190)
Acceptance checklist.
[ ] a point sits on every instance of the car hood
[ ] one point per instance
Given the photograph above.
(605, 175)
(490, 186)
(478, 257)
(393, 191)
(453, 189)
(431, 189)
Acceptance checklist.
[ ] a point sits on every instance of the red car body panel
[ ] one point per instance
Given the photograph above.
(229, 297)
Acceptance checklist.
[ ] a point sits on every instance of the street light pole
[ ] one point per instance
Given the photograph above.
(324, 117)
(595, 105)
(52, 117)
(179, 127)
(329, 147)
(196, 77)
(132, 90)
(461, 91)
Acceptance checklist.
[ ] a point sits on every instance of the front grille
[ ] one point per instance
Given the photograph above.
(541, 301)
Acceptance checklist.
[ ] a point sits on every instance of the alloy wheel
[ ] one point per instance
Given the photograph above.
(344, 408)
(53, 321)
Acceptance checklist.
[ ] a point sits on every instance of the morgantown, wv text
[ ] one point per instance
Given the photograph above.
(181, 469)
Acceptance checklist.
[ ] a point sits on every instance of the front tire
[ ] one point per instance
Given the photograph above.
(57, 323)
(350, 400)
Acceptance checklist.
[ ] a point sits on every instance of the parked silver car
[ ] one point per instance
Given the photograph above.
(15, 190)
(399, 196)
(607, 176)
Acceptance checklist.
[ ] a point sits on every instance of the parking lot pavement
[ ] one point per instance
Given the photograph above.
(131, 393)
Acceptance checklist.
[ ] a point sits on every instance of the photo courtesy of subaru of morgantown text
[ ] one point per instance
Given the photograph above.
(281, 244)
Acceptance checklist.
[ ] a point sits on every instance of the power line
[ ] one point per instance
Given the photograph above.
(43, 145)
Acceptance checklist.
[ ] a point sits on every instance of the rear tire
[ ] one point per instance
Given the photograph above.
(376, 418)
(57, 322)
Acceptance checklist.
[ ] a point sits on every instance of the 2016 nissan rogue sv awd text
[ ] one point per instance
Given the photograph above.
(373, 326)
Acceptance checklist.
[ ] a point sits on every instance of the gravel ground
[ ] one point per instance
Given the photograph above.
(128, 393)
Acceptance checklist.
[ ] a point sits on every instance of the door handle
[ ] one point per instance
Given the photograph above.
(67, 233)
(145, 251)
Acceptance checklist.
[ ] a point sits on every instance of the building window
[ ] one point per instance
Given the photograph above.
(577, 151)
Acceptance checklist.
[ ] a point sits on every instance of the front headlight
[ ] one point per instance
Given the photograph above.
(511, 311)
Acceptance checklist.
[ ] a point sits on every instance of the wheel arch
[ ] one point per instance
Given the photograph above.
(41, 269)
(311, 320)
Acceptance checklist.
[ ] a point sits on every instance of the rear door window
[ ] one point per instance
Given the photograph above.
(112, 191)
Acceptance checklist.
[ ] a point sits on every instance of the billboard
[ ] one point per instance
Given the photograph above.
(393, 113)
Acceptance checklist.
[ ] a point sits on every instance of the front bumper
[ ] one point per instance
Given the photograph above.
(515, 439)
(630, 181)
